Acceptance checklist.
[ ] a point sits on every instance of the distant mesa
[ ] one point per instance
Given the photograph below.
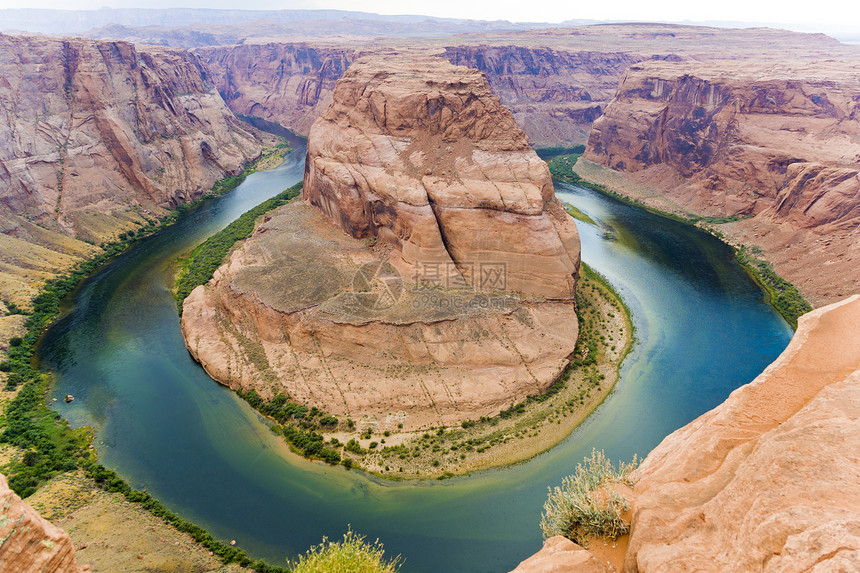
(427, 278)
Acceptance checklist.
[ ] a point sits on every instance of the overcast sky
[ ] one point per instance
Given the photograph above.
(816, 13)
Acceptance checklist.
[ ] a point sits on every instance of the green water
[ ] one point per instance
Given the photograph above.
(164, 425)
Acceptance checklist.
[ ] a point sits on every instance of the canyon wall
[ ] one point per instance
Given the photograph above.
(778, 144)
(29, 542)
(96, 135)
(554, 95)
(291, 84)
(428, 278)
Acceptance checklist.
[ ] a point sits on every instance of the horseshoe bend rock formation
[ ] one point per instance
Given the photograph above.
(31, 543)
(776, 142)
(429, 275)
(768, 481)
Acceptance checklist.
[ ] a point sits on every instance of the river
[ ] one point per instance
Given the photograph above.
(702, 329)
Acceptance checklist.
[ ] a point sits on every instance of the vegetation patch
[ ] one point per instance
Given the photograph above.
(199, 267)
(782, 295)
(550, 152)
(561, 167)
(578, 215)
(351, 555)
(587, 505)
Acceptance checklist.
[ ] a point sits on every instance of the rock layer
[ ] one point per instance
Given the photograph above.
(29, 542)
(95, 135)
(291, 84)
(778, 143)
(105, 126)
(431, 278)
(421, 155)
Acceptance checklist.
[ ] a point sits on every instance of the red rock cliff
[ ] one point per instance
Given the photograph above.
(103, 127)
(288, 83)
(29, 542)
(780, 142)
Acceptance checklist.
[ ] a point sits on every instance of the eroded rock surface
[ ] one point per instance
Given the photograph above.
(768, 480)
(779, 143)
(95, 135)
(30, 543)
(420, 154)
(416, 165)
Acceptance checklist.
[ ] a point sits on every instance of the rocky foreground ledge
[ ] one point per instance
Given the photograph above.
(427, 279)
(29, 542)
(769, 481)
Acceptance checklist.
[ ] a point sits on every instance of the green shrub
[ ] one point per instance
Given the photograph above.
(587, 505)
(352, 555)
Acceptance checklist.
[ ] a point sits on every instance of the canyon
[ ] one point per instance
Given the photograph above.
(415, 187)
(98, 138)
(428, 276)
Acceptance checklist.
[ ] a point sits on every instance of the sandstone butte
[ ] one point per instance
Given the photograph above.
(418, 165)
(29, 542)
(775, 143)
(95, 135)
(768, 481)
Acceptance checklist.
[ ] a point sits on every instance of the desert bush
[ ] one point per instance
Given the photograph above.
(587, 505)
(352, 555)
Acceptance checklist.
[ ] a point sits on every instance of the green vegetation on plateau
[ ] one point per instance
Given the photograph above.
(587, 505)
(207, 257)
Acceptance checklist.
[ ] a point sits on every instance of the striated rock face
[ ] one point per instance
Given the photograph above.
(767, 481)
(554, 95)
(102, 127)
(423, 156)
(288, 83)
(780, 142)
(30, 543)
(429, 278)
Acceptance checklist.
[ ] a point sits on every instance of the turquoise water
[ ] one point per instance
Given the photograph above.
(702, 330)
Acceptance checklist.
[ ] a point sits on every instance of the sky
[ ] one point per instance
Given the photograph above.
(806, 13)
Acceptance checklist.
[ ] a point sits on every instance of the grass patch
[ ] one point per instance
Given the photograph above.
(561, 167)
(199, 267)
(578, 215)
(781, 294)
(550, 152)
(352, 555)
(587, 505)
